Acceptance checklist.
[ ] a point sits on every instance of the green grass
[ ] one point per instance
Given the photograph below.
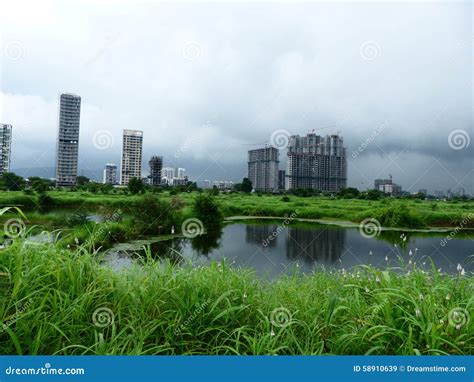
(48, 297)
(392, 212)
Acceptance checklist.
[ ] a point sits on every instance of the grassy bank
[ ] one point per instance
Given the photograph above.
(390, 212)
(55, 301)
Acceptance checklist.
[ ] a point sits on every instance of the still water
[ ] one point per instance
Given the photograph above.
(273, 249)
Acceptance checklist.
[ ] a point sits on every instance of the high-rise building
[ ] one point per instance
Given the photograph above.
(263, 169)
(110, 174)
(281, 179)
(156, 165)
(317, 162)
(387, 186)
(167, 175)
(67, 148)
(5, 147)
(181, 173)
(132, 148)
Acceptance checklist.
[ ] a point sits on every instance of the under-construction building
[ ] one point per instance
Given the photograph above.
(316, 162)
(156, 165)
(263, 169)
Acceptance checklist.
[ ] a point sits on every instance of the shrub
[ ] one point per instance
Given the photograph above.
(208, 212)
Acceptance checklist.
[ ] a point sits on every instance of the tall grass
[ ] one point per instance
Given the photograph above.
(48, 297)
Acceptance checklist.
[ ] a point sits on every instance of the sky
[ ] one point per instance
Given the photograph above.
(206, 82)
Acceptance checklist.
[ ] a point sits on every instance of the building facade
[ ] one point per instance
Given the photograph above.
(67, 148)
(263, 169)
(132, 149)
(316, 162)
(388, 186)
(110, 174)
(5, 147)
(156, 165)
(281, 179)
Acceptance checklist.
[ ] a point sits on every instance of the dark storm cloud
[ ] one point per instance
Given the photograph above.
(203, 80)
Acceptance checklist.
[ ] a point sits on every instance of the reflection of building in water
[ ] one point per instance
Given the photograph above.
(263, 235)
(323, 245)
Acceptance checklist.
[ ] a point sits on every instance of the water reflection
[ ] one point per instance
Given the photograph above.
(273, 249)
(322, 245)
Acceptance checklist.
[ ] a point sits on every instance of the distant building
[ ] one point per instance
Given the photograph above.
(132, 148)
(316, 162)
(5, 147)
(462, 191)
(423, 191)
(180, 173)
(263, 169)
(180, 181)
(156, 165)
(67, 147)
(206, 184)
(110, 174)
(281, 179)
(439, 194)
(387, 186)
(167, 175)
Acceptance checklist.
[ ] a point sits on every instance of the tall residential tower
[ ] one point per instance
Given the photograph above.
(110, 174)
(67, 148)
(316, 162)
(132, 148)
(5, 147)
(263, 169)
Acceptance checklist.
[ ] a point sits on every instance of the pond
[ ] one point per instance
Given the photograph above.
(272, 249)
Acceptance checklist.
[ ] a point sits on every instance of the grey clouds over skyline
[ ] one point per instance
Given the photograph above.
(204, 80)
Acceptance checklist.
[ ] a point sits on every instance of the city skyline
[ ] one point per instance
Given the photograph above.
(395, 118)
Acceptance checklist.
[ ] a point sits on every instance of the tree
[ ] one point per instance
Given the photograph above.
(135, 186)
(40, 185)
(208, 212)
(246, 185)
(82, 180)
(348, 193)
(12, 182)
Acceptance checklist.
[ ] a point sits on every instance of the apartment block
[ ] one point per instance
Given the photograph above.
(5, 147)
(110, 174)
(263, 169)
(132, 150)
(316, 162)
(67, 147)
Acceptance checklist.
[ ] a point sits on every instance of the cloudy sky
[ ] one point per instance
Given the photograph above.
(203, 81)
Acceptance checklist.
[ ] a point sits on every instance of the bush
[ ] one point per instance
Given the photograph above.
(285, 199)
(208, 212)
(399, 216)
(151, 215)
